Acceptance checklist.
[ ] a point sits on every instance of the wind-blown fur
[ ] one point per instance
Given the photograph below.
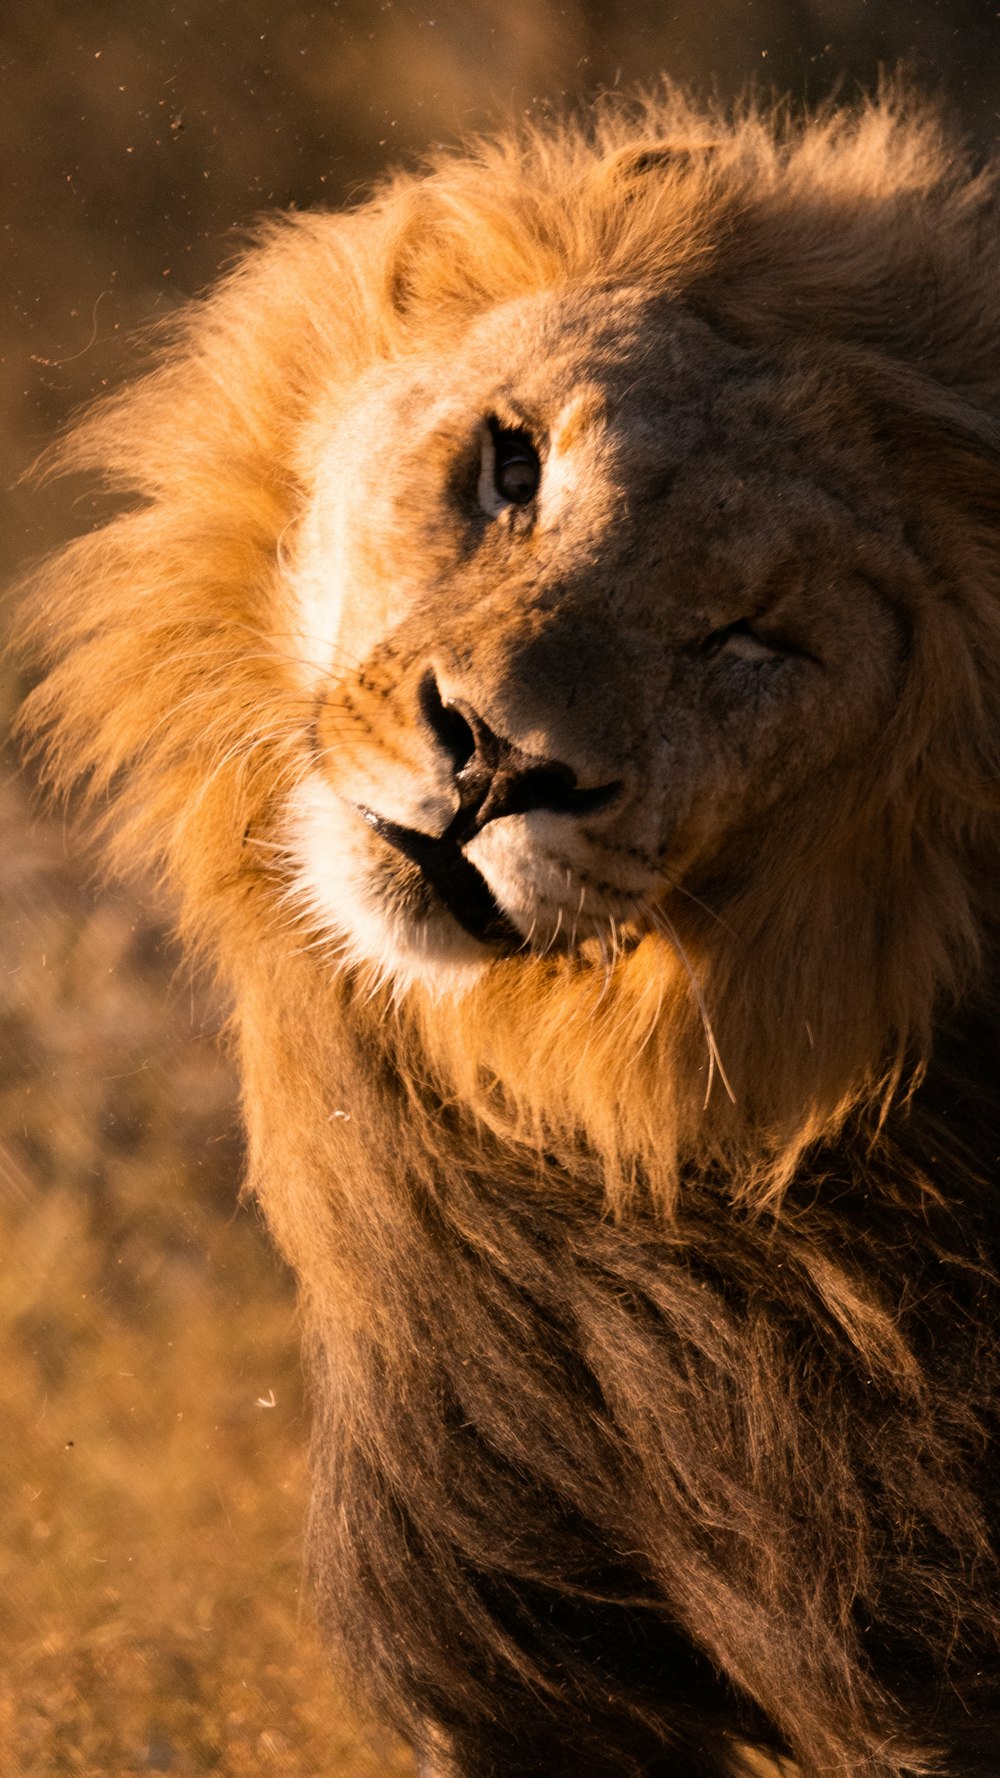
(654, 1420)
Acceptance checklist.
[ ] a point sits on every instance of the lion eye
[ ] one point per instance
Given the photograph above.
(740, 642)
(511, 469)
(516, 475)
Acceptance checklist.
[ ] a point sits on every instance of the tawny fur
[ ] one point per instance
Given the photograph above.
(649, 1278)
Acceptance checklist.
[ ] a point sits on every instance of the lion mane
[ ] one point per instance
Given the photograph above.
(548, 639)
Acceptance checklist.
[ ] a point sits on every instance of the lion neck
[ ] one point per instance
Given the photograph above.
(729, 1054)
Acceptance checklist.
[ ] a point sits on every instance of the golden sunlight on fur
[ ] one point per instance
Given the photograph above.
(550, 644)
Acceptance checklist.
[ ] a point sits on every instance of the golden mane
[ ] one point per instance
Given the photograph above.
(742, 1415)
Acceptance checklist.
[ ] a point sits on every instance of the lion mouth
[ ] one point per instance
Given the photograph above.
(463, 889)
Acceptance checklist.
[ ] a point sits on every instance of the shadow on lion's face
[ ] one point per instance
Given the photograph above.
(595, 600)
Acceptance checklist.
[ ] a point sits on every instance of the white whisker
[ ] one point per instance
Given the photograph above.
(666, 925)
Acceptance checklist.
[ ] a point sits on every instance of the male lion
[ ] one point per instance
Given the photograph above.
(553, 650)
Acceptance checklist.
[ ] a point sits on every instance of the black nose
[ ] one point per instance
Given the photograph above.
(493, 776)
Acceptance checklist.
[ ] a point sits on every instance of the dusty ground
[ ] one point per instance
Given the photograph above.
(152, 1483)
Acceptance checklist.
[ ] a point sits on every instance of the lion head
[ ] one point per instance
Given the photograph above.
(562, 591)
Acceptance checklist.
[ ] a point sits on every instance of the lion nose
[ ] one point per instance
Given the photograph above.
(493, 776)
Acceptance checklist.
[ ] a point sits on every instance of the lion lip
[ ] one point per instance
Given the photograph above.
(463, 889)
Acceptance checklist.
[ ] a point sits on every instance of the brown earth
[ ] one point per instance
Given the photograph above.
(152, 1484)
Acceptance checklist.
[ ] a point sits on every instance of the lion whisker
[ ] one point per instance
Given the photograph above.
(679, 889)
(662, 920)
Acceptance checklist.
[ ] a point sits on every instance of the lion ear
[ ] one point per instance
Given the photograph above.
(641, 161)
(946, 449)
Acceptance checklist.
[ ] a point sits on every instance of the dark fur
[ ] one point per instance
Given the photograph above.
(598, 1498)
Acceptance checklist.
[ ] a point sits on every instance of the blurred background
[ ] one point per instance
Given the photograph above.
(152, 1486)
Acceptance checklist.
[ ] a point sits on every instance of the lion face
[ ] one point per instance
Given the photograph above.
(591, 600)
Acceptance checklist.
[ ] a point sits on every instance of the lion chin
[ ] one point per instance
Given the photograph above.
(550, 642)
(389, 924)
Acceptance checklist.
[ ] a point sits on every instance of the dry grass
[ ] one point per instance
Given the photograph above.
(151, 1617)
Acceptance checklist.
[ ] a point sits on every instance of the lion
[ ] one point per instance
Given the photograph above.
(549, 642)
